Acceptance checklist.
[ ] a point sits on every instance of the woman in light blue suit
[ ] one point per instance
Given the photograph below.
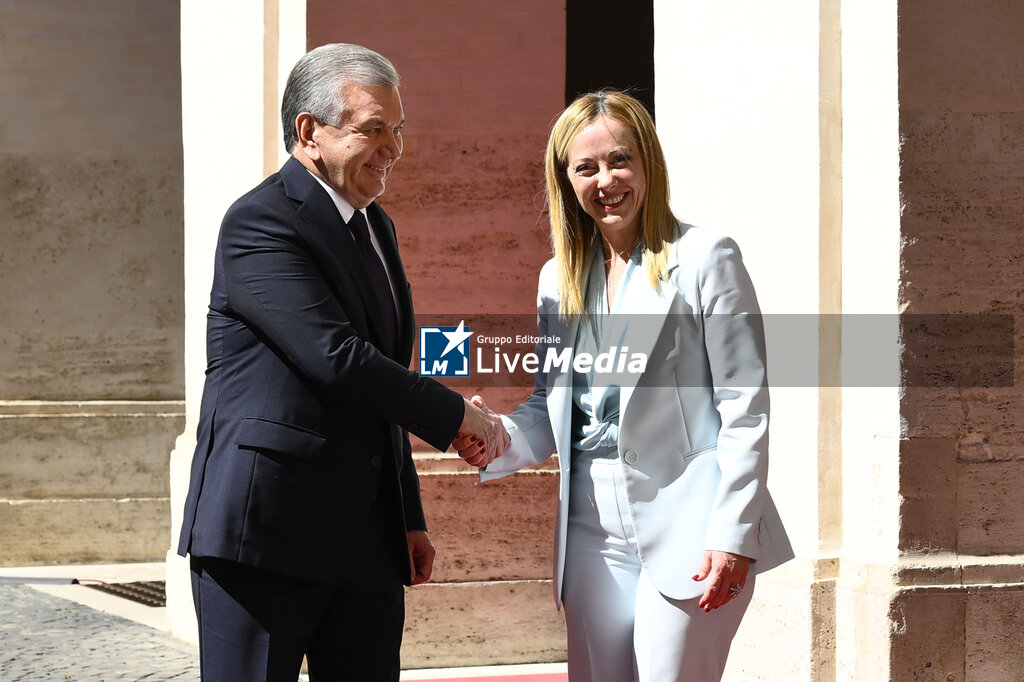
(664, 516)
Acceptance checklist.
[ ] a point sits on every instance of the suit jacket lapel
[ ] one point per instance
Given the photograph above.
(321, 215)
(384, 228)
(560, 392)
(647, 311)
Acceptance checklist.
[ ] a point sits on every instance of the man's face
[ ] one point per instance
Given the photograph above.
(356, 156)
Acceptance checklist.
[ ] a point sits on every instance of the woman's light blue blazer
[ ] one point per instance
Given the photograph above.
(693, 429)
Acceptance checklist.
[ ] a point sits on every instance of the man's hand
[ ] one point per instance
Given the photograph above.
(482, 437)
(421, 556)
(726, 574)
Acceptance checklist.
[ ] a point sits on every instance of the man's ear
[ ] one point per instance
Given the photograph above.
(305, 126)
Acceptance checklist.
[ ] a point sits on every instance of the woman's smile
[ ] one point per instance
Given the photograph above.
(613, 202)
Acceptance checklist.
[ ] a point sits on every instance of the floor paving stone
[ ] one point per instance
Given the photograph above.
(43, 638)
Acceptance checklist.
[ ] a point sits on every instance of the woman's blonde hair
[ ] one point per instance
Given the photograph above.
(573, 232)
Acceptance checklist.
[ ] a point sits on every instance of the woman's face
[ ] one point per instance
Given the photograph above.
(607, 175)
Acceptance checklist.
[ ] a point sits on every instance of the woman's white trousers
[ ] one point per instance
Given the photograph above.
(620, 628)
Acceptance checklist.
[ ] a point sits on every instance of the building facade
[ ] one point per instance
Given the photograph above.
(867, 157)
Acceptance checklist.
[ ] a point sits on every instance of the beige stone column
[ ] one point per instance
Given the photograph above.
(781, 129)
(871, 279)
(867, 157)
(958, 610)
(753, 153)
(90, 275)
(233, 55)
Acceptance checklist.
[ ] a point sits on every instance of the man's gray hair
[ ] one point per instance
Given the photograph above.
(315, 83)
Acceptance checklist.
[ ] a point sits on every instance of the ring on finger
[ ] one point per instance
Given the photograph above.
(734, 590)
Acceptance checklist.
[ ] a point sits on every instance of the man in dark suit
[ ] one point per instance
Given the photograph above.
(303, 519)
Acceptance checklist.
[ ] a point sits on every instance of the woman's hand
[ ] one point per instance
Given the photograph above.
(726, 574)
(471, 450)
(480, 445)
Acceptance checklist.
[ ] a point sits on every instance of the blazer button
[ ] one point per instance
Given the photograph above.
(629, 457)
(375, 460)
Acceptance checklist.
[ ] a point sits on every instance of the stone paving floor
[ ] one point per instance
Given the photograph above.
(43, 637)
(46, 637)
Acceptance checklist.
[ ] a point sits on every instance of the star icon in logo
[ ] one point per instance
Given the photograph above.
(455, 338)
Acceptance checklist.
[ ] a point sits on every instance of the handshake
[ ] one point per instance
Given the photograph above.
(482, 438)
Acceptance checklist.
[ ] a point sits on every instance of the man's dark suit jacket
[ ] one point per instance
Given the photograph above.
(305, 418)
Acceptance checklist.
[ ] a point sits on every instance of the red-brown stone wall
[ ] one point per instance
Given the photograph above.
(962, 464)
(962, 173)
(482, 83)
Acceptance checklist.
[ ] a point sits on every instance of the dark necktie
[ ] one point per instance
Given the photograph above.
(379, 278)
